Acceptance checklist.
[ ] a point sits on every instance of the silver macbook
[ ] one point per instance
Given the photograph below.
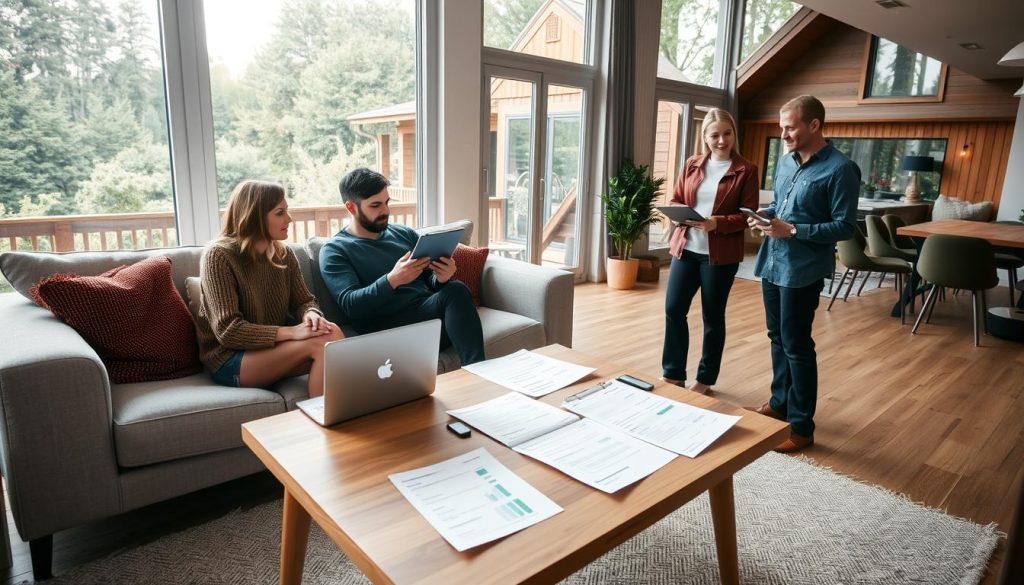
(371, 372)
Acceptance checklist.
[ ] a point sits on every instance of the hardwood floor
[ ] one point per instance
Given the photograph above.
(929, 416)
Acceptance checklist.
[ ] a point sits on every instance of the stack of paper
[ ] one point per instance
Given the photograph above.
(531, 373)
(593, 453)
(473, 499)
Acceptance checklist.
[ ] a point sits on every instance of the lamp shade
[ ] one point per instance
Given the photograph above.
(1014, 57)
(917, 163)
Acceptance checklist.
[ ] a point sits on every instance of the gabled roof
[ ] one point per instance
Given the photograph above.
(395, 113)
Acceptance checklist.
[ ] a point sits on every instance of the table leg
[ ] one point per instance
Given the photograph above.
(294, 536)
(723, 516)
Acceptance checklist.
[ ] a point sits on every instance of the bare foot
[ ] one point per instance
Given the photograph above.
(700, 388)
(680, 383)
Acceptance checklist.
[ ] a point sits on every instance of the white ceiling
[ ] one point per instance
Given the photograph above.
(937, 27)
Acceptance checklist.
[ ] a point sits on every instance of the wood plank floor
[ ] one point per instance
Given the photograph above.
(929, 416)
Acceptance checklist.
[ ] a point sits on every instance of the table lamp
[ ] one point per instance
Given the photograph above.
(915, 164)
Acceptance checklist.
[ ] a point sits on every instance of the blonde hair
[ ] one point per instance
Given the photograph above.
(718, 115)
(245, 220)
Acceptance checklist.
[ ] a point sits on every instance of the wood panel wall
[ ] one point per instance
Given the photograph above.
(975, 176)
(975, 112)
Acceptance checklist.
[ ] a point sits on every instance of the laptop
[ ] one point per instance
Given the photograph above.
(371, 372)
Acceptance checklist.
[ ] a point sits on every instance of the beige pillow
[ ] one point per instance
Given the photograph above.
(953, 208)
(193, 296)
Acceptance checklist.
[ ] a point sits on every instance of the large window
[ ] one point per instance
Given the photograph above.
(84, 160)
(896, 73)
(761, 20)
(324, 87)
(689, 29)
(879, 160)
(559, 31)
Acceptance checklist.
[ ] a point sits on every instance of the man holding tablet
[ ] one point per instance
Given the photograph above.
(370, 273)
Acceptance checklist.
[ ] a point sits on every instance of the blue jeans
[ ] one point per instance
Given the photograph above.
(685, 276)
(230, 370)
(789, 313)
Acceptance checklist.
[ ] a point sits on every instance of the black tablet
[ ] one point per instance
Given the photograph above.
(680, 213)
(437, 244)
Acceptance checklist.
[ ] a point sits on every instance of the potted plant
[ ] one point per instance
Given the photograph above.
(629, 209)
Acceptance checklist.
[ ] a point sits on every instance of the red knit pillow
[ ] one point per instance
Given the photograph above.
(132, 316)
(469, 268)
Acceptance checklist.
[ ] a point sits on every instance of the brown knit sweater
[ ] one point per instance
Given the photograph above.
(245, 302)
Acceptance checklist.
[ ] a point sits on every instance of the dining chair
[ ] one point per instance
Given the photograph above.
(957, 262)
(851, 254)
(1010, 260)
(880, 246)
(893, 223)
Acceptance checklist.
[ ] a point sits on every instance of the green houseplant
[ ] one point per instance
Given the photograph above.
(629, 209)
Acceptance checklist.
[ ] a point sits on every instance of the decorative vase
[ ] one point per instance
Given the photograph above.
(622, 273)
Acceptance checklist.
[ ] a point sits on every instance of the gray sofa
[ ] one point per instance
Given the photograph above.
(75, 448)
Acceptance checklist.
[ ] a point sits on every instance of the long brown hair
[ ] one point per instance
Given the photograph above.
(245, 220)
(719, 115)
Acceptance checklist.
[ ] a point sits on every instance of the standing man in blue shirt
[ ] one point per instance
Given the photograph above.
(815, 206)
(368, 270)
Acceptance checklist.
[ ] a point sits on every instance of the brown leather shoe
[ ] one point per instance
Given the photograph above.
(794, 443)
(766, 410)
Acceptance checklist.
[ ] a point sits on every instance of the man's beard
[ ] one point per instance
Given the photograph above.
(376, 227)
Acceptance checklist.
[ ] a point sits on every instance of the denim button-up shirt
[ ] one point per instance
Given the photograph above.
(819, 197)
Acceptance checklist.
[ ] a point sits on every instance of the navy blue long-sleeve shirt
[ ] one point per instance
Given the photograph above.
(819, 197)
(355, 271)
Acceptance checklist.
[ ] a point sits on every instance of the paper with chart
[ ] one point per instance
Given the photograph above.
(597, 455)
(667, 423)
(531, 373)
(473, 499)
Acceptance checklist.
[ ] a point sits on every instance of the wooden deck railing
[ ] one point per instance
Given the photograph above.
(126, 231)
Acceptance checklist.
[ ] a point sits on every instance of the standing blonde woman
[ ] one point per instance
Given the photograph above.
(706, 254)
(252, 289)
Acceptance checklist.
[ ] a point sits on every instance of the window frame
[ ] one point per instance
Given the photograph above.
(867, 71)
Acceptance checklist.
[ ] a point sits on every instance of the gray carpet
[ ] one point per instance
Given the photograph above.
(797, 524)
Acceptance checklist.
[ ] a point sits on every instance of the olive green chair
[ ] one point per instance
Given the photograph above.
(892, 224)
(1010, 260)
(957, 262)
(880, 245)
(851, 254)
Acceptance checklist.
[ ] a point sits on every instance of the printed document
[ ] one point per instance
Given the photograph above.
(473, 499)
(667, 423)
(531, 373)
(595, 454)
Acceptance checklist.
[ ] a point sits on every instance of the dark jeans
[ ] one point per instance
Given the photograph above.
(685, 277)
(789, 313)
(460, 322)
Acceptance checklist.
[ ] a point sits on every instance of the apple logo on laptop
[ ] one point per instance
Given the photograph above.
(384, 372)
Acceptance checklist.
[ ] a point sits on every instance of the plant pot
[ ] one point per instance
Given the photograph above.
(622, 273)
(650, 269)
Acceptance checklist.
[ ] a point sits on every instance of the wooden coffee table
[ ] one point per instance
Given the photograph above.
(338, 476)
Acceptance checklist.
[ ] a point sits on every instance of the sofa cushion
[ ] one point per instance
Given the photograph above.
(163, 421)
(24, 269)
(132, 316)
(469, 268)
(953, 208)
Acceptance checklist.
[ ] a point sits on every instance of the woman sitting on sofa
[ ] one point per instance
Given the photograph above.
(251, 283)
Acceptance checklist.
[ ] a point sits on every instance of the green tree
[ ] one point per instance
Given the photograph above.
(762, 19)
(688, 33)
(504, 20)
(136, 179)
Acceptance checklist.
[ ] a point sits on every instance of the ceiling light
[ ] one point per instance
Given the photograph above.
(890, 3)
(971, 46)
(1014, 57)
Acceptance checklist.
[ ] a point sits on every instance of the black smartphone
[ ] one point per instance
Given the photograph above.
(635, 382)
(754, 216)
(460, 429)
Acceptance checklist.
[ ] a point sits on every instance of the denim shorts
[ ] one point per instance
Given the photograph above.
(228, 373)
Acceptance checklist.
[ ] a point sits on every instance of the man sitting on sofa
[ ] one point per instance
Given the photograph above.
(368, 270)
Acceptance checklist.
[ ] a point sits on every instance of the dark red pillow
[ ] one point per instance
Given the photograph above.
(132, 316)
(469, 268)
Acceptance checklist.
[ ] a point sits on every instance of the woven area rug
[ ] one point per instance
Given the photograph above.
(797, 523)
